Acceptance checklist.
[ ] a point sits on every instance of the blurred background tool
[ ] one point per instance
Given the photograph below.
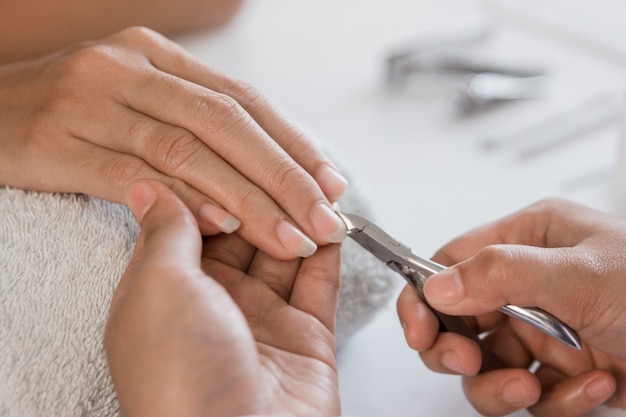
(455, 64)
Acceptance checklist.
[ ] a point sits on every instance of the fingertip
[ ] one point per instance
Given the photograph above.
(327, 224)
(518, 393)
(140, 197)
(450, 360)
(503, 391)
(577, 395)
(419, 324)
(216, 217)
(600, 388)
(332, 183)
(158, 209)
(453, 354)
(444, 288)
(421, 329)
(294, 240)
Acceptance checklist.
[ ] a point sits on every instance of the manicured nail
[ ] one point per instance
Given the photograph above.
(331, 182)
(294, 240)
(515, 393)
(327, 224)
(451, 362)
(140, 197)
(219, 217)
(598, 389)
(445, 287)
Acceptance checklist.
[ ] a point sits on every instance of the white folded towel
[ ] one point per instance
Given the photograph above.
(61, 257)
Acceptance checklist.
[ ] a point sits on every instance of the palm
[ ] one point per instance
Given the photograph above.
(291, 321)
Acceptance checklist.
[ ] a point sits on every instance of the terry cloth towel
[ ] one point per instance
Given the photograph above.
(61, 257)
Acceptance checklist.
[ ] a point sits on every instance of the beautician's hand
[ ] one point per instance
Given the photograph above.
(565, 258)
(223, 330)
(98, 116)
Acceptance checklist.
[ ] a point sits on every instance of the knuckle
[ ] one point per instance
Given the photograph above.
(219, 113)
(244, 93)
(176, 150)
(298, 139)
(326, 276)
(595, 266)
(250, 200)
(140, 132)
(137, 33)
(91, 60)
(285, 179)
(491, 261)
(545, 207)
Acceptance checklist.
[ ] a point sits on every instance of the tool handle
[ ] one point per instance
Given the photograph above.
(456, 324)
(544, 321)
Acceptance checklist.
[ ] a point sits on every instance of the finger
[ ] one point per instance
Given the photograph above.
(316, 287)
(220, 122)
(230, 250)
(575, 396)
(251, 177)
(422, 331)
(174, 154)
(501, 392)
(453, 354)
(171, 237)
(507, 344)
(514, 274)
(539, 345)
(287, 135)
(106, 174)
(277, 274)
(419, 324)
(172, 59)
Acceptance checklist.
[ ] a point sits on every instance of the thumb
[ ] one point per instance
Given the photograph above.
(521, 275)
(169, 232)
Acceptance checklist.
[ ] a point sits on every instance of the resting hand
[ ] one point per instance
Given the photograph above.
(559, 256)
(96, 117)
(221, 330)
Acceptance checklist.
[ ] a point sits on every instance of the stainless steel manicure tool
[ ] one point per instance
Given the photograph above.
(417, 270)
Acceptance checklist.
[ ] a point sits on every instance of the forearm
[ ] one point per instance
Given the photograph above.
(29, 28)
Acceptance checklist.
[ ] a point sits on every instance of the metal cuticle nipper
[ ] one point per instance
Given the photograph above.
(417, 270)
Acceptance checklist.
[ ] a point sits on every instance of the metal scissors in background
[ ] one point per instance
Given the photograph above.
(416, 271)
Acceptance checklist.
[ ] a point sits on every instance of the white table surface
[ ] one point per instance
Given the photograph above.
(422, 167)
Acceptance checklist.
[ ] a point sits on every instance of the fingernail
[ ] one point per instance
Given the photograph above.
(445, 287)
(598, 389)
(294, 240)
(332, 183)
(327, 224)
(140, 197)
(451, 362)
(515, 393)
(215, 215)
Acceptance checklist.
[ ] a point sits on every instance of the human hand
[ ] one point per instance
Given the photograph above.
(557, 255)
(223, 330)
(97, 117)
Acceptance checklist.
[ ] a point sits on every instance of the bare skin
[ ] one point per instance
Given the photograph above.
(219, 328)
(97, 116)
(565, 258)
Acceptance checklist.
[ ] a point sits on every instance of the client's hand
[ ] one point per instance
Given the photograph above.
(557, 255)
(96, 117)
(220, 330)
